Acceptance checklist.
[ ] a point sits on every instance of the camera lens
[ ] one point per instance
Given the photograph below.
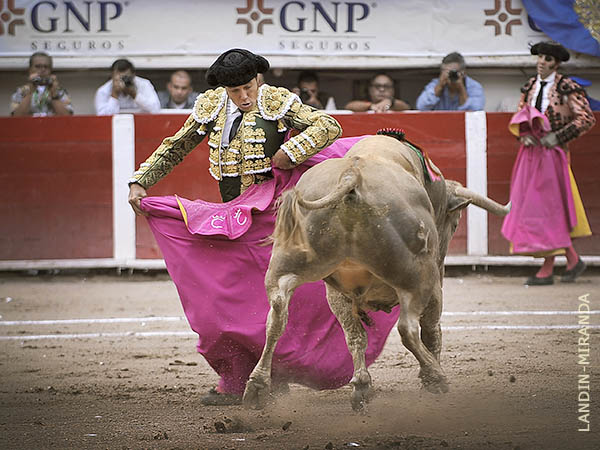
(453, 75)
(304, 95)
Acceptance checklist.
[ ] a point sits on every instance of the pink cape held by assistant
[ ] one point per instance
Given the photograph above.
(216, 255)
(541, 191)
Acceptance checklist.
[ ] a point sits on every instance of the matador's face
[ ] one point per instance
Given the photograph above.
(244, 96)
(546, 64)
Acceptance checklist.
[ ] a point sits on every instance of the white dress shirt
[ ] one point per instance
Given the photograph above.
(536, 88)
(232, 113)
(146, 99)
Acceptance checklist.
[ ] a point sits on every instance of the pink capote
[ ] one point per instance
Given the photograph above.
(543, 211)
(218, 263)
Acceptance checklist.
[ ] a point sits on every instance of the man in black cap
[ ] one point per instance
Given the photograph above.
(564, 102)
(548, 91)
(246, 124)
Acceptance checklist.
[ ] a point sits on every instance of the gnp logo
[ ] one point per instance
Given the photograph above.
(8, 22)
(49, 16)
(298, 16)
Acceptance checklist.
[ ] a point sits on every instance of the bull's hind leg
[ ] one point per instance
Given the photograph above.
(279, 291)
(356, 339)
(431, 331)
(431, 374)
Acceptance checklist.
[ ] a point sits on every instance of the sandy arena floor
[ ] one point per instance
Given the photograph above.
(136, 383)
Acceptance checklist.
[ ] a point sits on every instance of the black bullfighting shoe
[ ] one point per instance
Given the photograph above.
(215, 398)
(537, 281)
(571, 275)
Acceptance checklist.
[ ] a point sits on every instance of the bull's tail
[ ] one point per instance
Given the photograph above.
(288, 228)
(349, 180)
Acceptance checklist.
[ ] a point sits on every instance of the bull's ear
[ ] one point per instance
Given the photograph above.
(457, 203)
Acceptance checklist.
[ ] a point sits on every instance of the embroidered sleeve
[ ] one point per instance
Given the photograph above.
(583, 117)
(170, 153)
(319, 130)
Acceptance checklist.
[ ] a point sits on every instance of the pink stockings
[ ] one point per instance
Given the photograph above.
(546, 269)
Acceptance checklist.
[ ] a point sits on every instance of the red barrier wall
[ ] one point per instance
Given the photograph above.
(502, 148)
(444, 139)
(56, 177)
(56, 184)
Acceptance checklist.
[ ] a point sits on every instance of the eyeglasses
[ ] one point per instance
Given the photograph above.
(382, 86)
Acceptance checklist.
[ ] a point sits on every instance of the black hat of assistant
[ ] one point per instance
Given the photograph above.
(236, 67)
(552, 49)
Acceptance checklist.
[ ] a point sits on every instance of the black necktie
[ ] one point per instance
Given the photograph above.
(538, 100)
(234, 127)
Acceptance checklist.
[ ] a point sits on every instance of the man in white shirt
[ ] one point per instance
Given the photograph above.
(126, 92)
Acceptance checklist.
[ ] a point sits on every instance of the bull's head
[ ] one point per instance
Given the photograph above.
(449, 198)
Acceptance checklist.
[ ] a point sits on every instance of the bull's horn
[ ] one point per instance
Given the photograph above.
(484, 202)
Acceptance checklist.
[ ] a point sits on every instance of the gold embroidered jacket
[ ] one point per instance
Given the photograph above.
(260, 135)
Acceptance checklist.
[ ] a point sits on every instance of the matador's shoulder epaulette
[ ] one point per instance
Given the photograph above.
(567, 86)
(208, 104)
(527, 86)
(274, 102)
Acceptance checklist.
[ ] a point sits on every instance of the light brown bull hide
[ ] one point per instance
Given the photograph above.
(377, 233)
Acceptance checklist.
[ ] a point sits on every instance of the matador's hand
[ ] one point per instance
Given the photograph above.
(282, 161)
(136, 194)
(528, 141)
(550, 140)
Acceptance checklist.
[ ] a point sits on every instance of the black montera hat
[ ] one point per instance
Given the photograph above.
(236, 67)
(550, 48)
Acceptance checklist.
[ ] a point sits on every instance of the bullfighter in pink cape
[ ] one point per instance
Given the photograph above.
(547, 210)
(216, 252)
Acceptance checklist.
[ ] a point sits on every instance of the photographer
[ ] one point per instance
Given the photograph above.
(42, 95)
(126, 92)
(308, 90)
(453, 90)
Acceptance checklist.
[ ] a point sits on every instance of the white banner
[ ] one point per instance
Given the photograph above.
(157, 32)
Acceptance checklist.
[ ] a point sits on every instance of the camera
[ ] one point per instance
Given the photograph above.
(304, 95)
(453, 75)
(127, 80)
(41, 81)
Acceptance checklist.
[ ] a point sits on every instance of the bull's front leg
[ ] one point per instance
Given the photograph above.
(279, 291)
(356, 340)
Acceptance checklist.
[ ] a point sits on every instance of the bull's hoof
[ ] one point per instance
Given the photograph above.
(256, 394)
(360, 397)
(435, 383)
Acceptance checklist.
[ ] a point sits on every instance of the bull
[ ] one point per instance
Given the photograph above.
(376, 231)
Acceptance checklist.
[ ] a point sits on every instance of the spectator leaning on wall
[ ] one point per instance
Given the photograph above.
(382, 93)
